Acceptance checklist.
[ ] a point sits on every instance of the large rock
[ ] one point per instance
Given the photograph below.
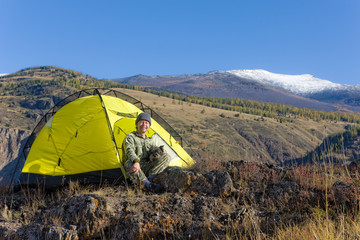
(345, 194)
(220, 182)
(87, 212)
(215, 183)
(10, 140)
(175, 179)
(31, 231)
(11, 143)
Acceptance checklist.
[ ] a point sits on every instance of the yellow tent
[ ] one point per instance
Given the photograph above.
(81, 139)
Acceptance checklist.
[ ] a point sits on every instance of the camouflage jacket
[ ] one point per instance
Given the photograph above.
(136, 148)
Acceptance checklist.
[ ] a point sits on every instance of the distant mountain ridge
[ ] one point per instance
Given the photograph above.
(303, 90)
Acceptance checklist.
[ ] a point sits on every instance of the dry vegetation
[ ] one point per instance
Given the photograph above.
(267, 202)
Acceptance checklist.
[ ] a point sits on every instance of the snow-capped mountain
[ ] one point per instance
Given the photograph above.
(303, 90)
(3, 74)
(298, 84)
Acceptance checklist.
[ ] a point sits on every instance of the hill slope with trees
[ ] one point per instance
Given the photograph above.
(218, 128)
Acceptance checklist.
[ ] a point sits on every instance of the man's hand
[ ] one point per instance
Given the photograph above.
(135, 168)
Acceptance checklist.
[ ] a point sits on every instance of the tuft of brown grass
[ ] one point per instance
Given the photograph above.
(6, 213)
(322, 227)
(34, 199)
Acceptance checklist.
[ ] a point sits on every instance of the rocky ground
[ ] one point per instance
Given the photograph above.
(238, 200)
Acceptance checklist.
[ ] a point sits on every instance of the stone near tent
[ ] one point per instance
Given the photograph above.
(175, 179)
(214, 183)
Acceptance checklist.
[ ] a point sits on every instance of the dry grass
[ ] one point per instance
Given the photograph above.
(248, 229)
(6, 214)
(34, 199)
(326, 221)
(321, 177)
(329, 219)
(321, 227)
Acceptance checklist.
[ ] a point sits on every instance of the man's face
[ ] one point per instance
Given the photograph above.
(142, 126)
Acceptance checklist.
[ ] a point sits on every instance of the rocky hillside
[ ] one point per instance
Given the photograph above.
(239, 201)
(11, 141)
(339, 148)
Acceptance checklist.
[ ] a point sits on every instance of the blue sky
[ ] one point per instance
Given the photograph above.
(118, 38)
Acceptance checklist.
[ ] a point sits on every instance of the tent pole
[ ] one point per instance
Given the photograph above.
(111, 133)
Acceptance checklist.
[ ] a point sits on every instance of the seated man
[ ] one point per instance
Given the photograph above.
(136, 152)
